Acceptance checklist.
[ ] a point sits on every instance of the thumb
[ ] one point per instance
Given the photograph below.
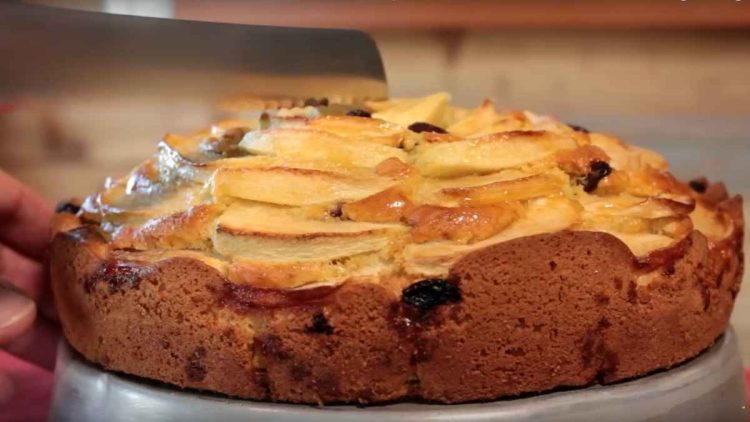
(17, 312)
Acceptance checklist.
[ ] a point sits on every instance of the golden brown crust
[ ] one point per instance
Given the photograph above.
(537, 312)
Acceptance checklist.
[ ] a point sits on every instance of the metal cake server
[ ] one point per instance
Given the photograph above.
(57, 52)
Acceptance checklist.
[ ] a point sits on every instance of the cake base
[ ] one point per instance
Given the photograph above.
(708, 388)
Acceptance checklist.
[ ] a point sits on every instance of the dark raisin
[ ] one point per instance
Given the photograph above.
(195, 368)
(314, 102)
(515, 351)
(358, 112)
(699, 185)
(432, 292)
(67, 207)
(264, 121)
(578, 128)
(272, 346)
(320, 324)
(337, 211)
(598, 171)
(117, 275)
(420, 127)
(225, 145)
(234, 135)
(339, 261)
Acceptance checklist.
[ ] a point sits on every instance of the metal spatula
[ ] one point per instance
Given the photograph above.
(47, 51)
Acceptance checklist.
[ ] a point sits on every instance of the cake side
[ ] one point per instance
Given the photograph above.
(560, 309)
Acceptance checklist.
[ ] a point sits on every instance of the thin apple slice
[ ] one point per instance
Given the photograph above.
(641, 244)
(430, 190)
(361, 129)
(485, 120)
(293, 274)
(270, 234)
(118, 208)
(431, 109)
(627, 157)
(711, 222)
(489, 153)
(627, 217)
(293, 186)
(631, 206)
(545, 184)
(190, 229)
(308, 144)
(648, 181)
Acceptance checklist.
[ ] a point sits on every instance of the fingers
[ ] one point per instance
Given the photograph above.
(23, 333)
(29, 276)
(24, 273)
(24, 218)
(17, 313)
(37, 345)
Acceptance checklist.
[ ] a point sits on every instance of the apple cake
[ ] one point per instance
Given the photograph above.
(408, 250)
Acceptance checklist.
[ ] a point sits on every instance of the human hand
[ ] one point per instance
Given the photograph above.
(27, 329)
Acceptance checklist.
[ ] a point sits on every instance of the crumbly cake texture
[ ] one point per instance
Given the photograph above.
(409, 250)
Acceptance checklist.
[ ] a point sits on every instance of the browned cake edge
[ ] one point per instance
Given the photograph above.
(535, 313)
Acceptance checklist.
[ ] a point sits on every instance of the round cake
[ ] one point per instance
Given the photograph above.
(408, 250)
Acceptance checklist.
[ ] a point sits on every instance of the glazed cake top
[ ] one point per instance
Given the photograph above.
(403, 188)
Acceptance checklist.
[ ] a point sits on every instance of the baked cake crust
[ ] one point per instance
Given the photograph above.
(414, 251)
(539, 312)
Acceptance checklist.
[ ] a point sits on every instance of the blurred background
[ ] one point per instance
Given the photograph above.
(671, 75)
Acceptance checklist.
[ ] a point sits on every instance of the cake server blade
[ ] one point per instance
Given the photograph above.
(56, 52)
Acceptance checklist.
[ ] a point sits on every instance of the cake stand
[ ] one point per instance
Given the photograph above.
(709, 387)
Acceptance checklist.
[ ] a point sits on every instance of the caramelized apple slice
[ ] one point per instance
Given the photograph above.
(271, 234)
(464, 224)
(542, 215)
(293, 186)
(488, 154)
(393, 168)
(578, 161)
(649, 181)
(387, 206)
(314, 145)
